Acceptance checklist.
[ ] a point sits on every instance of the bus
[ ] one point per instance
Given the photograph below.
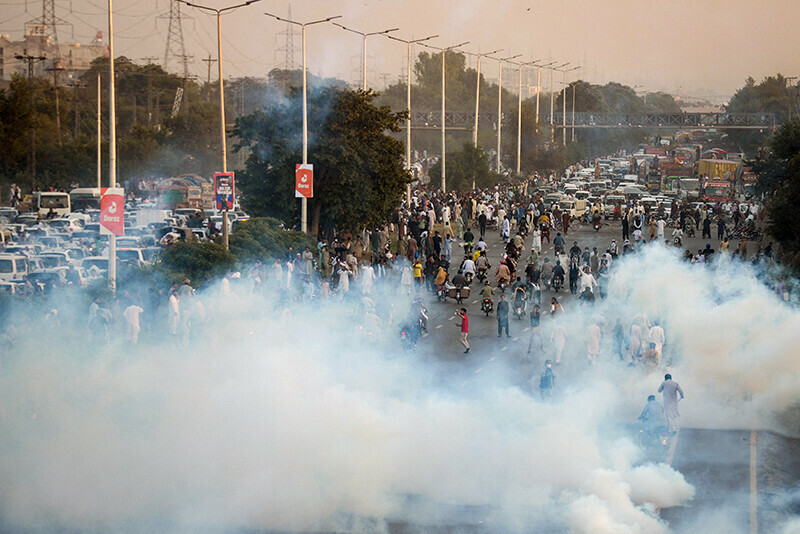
(43, 201)
(85, 198)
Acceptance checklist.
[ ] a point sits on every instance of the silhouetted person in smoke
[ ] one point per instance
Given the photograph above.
(669, 390)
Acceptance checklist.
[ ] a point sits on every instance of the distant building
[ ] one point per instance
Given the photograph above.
(75, 57)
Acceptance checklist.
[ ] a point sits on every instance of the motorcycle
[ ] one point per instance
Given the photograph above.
(487, 307)
(689, 230)
(502, 284)
(441, 293)
(655, 440)
(677, 241)
(408, 339)
(557, 284)
(482, 273)
(519, 304)
(468, 277)
(597, 225)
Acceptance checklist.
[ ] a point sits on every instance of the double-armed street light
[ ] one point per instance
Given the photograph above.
(539, 89)
(444, 142)
(564, 102)
(364, 36)
(500, 103)
(304, 200)
(408, 104)
(223, 137)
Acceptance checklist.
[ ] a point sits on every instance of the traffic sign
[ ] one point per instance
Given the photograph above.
(112, 210)
(224, 190)
(304, 180)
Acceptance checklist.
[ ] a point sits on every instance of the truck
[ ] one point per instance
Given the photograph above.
(717, 168)
(717, 190)
(690, 189)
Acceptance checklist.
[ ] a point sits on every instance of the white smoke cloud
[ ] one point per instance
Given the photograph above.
(289, 421)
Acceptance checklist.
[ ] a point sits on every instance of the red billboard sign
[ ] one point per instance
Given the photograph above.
(112, 210)
(304, 180)
(224, 190)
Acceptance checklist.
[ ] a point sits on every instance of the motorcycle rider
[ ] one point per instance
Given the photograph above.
(653, 419)
(558, 243)
(502, 274)
(482, 264)
(546, 275)
(419, 314)
(459, 280)
(519, 296)
(468, 268)
(575, 251)
(487, 293)
(558, 274)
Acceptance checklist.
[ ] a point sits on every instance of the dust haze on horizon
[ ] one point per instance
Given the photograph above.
(702, 49)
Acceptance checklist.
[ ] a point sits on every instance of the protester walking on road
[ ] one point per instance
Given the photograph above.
(547, 382)
(670, 390)
(502, 316)
(593, 338)
(558, 337)
(464, 325)
(536, 333)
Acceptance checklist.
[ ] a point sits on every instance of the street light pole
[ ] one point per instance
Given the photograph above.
(519, 114)
(564, 102)
(478, 97)
(552, 104)
(364, 36)
(112, 148)
(444, 141)
(539, 90)
(223, 139)
(500, 105)
(408, 105)
(304, 200)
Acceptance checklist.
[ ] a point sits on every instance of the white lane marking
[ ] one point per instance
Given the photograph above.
(451, 317)
(493, 358)
(439, 326)
(753, 483)
(526, 328)
(474, 301)
(514, 339)
(504, 348)
(478, 370)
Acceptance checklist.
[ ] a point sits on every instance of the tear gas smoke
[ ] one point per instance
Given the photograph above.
(288, 420)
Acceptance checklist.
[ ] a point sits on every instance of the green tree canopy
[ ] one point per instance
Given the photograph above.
(465, 167)
(359, 176)
(779, 180)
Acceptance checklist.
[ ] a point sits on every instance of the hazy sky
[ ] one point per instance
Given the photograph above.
(701, 47)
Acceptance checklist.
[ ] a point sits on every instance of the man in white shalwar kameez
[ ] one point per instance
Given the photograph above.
(670, 390)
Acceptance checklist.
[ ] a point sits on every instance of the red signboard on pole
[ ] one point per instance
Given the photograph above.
(304, 180)
(112, 210)
(224, 190)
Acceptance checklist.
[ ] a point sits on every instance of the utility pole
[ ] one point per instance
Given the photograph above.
(75, 86)
(55, 69)
(208, 62)
(31, 60)
(149, 60)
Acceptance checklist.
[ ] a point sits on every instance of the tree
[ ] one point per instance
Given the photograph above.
(465, 167)
(359, 176)
(779, 181)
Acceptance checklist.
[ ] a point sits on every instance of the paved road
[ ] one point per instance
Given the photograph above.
(737, 474)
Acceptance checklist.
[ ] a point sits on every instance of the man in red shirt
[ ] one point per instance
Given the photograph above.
(464, 328)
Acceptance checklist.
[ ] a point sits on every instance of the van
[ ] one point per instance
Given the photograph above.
(13, 266)
(611, 202)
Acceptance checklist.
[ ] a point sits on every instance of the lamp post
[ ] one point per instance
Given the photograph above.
(478, 96)
(112, 148)
(500, 104)
(539, 90)
(223, 139)
(552, 103)
(564, 102)
(304, 200)
(519, 113)
(364, 36)
(444, 142)
(408, 104)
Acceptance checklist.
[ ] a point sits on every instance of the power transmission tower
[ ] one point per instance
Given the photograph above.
(149, 91)
(289, 48)
(44, 28)
(175, 47)
(31, 60)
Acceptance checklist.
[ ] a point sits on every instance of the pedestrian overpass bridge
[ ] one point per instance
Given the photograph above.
(459, 120)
